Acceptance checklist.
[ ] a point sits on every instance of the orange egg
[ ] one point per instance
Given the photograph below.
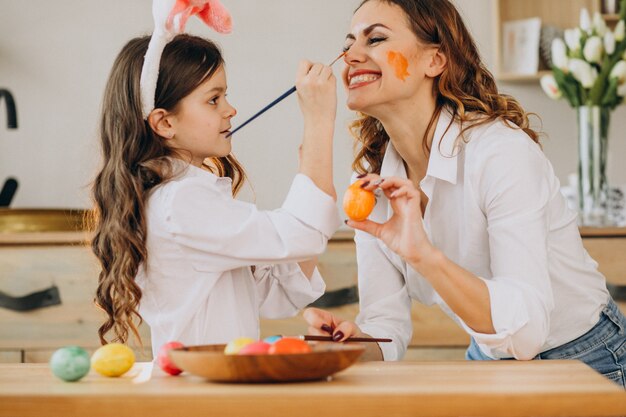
(289, 345)
(357, 202)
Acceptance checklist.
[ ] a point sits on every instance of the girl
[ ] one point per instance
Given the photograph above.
(176, 249)
(470, 216)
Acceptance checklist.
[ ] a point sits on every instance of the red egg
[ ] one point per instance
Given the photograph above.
(256, 348)
(288, 346)
(163, 359)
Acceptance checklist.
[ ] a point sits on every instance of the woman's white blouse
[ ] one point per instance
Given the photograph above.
(496, 210)
(197, 284)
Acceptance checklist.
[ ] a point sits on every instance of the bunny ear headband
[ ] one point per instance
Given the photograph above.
(170, 18)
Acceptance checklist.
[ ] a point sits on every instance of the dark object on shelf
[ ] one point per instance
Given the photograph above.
(548, 34)
(45, 298)
(618, 292)
(8, 192)
(337, 298)
(11, 110)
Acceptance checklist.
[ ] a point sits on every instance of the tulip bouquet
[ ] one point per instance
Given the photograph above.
(589, 65)
(589, 71)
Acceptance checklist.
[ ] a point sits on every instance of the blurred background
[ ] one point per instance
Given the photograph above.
(55, 58)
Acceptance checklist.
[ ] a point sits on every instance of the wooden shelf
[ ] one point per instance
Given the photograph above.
(611, 17)
(509, 77)
(560, 13)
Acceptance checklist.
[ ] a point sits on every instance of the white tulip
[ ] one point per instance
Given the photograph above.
(621, 90)
(620, 31)
(559, 54)
(593, 49)
(572, 39)
(585, 20)
(599, 24)
(550, 87)
(609, 42)
(619, 71)
(581, 70)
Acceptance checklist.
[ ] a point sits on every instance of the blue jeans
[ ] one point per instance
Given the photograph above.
(603, 347)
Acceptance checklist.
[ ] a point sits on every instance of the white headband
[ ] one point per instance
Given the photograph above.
(170, 18)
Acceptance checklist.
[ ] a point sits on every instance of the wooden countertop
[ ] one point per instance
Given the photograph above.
(506, 388)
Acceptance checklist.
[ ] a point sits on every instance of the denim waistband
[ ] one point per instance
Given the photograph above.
(611, 320)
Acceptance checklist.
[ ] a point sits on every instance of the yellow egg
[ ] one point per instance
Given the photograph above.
(234, 346)
(113, 359)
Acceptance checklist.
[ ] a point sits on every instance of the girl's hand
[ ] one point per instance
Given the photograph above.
(317, 92)
(323, 323)
(404, 232)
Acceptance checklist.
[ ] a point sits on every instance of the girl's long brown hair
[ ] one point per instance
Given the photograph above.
(465, 85)
(135, 160)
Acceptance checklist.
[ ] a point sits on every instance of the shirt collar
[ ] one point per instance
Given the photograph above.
(185, 169)
(442, 162)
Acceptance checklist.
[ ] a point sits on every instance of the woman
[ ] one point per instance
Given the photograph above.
(470, 216)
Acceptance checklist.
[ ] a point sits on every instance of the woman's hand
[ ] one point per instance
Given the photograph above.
(317, 92)
(324, 323)
(404, 232)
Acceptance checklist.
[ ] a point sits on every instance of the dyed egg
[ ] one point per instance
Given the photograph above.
(255, 348)
(288, 345)
(163, 359)
(272, 339)
(70, 363)
(113, 359)
(357, 202)
(234, 346)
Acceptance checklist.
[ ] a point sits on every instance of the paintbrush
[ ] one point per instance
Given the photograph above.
(350, 339)
(278, 100)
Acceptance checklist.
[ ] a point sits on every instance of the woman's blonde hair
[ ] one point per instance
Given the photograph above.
(135, 161)
(465, 86)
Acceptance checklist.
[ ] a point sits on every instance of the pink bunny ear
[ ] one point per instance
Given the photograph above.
(183, 9)
(215, 15)
(212, 12)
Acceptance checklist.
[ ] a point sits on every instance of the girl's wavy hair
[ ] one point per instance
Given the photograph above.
(465, 86)
(136, 160)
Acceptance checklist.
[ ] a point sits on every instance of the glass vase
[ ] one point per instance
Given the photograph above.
(593, 189)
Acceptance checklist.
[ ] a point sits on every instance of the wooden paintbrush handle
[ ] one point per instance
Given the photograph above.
(350, 339)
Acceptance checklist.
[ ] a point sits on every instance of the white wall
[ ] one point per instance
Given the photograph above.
(55, 57)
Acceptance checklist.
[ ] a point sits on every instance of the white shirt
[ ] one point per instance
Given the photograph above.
(197, 285)
(494, 209)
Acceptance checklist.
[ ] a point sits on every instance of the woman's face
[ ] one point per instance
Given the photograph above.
(385, 62)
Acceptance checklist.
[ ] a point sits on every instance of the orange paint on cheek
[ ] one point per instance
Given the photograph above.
(399, 63)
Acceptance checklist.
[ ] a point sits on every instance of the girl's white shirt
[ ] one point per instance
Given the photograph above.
(496, 210)
(198, 286)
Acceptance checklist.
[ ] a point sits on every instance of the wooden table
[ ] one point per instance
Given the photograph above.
(537, 388)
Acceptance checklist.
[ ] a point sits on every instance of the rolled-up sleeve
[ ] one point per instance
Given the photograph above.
(220, 233)
(284, 290)
(512, 188)
(384, 302)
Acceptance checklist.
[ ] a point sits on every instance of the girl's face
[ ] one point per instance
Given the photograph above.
(385, 62)
(202, 121)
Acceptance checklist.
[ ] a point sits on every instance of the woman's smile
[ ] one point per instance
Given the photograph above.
(360, 78)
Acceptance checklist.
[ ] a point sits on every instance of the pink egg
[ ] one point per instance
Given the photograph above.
(163, 358)
(256, 348)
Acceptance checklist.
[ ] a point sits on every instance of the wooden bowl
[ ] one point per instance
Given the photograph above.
(209, 361)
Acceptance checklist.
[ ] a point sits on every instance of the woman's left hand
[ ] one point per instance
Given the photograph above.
(404, 232)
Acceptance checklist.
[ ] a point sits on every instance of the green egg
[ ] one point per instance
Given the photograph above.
(70, 363)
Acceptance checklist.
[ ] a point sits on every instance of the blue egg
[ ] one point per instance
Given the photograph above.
(272, 339)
